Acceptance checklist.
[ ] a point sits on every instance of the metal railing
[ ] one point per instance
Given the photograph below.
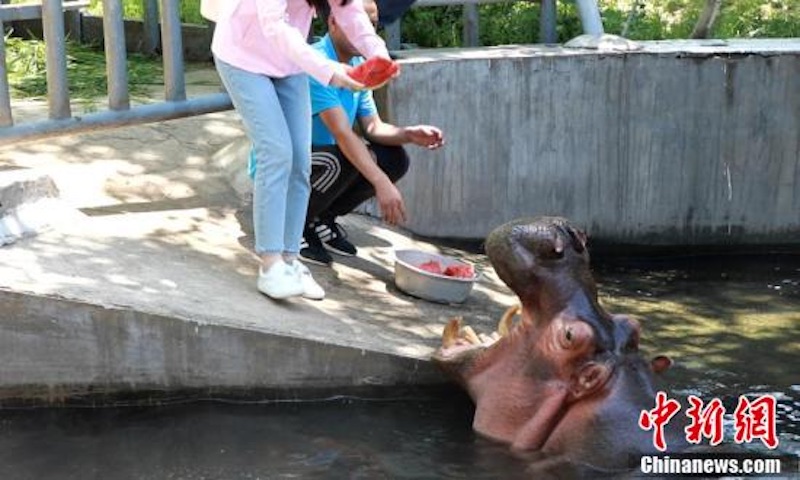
(587, 9)
(119, 113)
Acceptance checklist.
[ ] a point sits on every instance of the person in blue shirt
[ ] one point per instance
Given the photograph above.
(346, 170)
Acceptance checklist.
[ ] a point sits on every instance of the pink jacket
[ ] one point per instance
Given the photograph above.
(269, 37)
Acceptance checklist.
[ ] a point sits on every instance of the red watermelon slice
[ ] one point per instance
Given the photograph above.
(460, 271)
(432, 266)
(375, 72)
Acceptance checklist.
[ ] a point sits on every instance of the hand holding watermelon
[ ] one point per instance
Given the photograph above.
(375, 72)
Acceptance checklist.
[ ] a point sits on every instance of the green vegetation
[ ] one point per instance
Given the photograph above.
(86, 72)
(518, 22)
(134, 9)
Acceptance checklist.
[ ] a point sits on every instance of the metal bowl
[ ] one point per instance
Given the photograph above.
(427, 285)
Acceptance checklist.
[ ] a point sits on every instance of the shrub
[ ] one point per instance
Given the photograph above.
(518, 22)
(86, 75)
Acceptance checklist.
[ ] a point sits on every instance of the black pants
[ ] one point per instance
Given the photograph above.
(337, 187)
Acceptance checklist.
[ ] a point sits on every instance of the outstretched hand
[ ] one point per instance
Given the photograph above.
(343, 80)
(426, 136)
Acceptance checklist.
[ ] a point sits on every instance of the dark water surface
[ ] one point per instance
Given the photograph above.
(334, 439)
(732, 325)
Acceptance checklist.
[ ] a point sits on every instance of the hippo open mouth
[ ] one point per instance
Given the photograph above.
(567, 377)
(460, 344)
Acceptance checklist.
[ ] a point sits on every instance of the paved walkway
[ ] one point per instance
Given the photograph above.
(146, 280)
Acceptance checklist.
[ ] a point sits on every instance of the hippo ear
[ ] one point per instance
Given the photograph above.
(660, 363)
(591, 378)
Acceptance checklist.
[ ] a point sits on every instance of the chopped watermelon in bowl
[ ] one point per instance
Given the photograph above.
(434, 277)
(431, 266)
(453, 270)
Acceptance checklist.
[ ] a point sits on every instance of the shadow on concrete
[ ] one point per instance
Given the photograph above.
(152, 281)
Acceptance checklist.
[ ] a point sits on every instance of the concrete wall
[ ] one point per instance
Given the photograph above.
(680, 143)
(54, 350)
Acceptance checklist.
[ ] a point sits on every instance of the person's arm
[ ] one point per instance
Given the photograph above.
(378, 131)
(358, 28)
(388, 196)
(282, 37)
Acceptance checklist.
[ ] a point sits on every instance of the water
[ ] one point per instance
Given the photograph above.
(732, 325)
(410, 439)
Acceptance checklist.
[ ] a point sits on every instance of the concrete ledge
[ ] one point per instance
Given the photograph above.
(53, 350)
(153, 292)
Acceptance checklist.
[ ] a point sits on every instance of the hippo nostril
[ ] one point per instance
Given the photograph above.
(569, 334)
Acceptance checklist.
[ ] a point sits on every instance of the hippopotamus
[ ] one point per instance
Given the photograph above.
(567, 379)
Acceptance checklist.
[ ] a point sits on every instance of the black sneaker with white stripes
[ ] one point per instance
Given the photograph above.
(334, 237)
(311, 248)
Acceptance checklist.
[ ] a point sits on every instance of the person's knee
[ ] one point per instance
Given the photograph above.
(276, 159)
(403, 161)
(397, 163)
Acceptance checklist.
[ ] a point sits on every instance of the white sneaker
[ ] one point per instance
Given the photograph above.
(280, 281)
(311, 289)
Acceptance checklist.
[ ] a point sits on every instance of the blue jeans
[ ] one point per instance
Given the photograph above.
(276, 113)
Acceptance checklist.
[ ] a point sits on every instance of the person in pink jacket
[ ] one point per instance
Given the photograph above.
(263, 59)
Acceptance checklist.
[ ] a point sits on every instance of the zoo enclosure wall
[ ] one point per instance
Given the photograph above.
(679, 143)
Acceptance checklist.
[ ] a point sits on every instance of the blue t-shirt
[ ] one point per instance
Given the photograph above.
(323, 97)
(355, 104)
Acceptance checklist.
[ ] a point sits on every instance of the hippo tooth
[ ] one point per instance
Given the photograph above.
(450, 333)
(469, 334)
(486, 339)
(504, 325)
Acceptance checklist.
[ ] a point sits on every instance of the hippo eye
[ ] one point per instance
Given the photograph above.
(572, 334)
